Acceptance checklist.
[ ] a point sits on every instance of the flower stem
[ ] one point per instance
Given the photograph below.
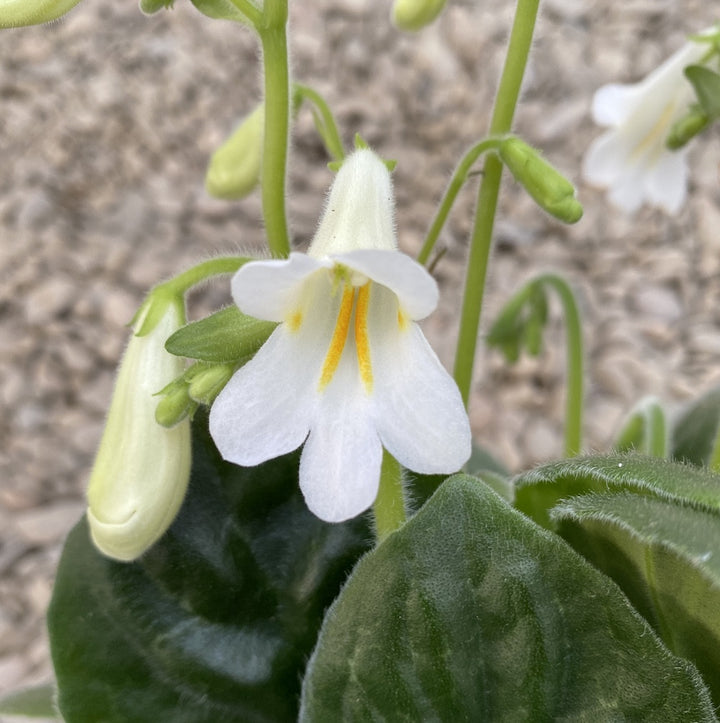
(481, 239)
(715, 455)
(324, 121)
(389, 507)
(456, 183)
(574, 342)
(183, 282)
(273, 37)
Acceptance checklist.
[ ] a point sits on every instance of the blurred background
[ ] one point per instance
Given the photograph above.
(107, 121)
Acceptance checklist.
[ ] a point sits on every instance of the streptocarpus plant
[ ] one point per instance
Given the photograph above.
(295, 523)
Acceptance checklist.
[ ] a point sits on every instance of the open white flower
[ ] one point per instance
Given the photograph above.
(631, 159)
(347, 371)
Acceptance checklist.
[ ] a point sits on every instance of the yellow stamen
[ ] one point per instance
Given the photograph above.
(402, 320)
(339, 337)
(362, 343)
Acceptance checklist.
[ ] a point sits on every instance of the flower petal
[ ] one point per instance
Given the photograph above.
(417, 407)
(606, 159)
(613, 104)
(666, 182)
(265, 410)
(360, 208)
(340, 463)
(269, 290)
(413, 285)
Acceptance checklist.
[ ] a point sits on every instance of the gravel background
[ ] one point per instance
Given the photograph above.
(107, 120)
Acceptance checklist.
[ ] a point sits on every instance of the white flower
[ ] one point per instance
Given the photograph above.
(631, 159)
(141, 470)
(347, 371)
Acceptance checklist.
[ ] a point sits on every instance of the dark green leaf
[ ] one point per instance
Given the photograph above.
(537, 491)
(473, 613)
(666, 558)
(36, 702)
(227, 335)
(695, 430)
(215, 622)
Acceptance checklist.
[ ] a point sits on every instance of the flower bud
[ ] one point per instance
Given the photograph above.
(152, 6)
(414, 15)
(686, 128)
(206, 381)
(16, 13)
(141, 469)
(550, 189)
(234, 168)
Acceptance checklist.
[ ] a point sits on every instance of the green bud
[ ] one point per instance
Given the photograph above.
(234, 169)
(413, 15)
(686, 128)
(220, 10)
(141, 470)
(206, 381)
(152, 6)
(549, 188)
(175, 404)
(17, 13)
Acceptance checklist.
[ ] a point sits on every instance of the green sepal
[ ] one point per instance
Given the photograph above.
(227, 335)
(665, 557)
(694, 122)
(470, 612)
(216, 621)
(35, 702)
(706, 83)
(175, 403)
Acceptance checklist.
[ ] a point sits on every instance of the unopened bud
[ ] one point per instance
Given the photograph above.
(234, 169)
(206, 381)
(16, 13)
(413, 15)
(685, 129)
(141, 470)
(547, 186)
(152, 6)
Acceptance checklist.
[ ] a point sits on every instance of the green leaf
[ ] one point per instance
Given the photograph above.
(227, 335)
(706, 83)
(216, 621)
(36, 702)
(537, 491)
(695, 430)
(666, 559)
(471, 612)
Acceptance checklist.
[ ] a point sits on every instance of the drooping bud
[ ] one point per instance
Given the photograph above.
(141, 470)
(17, 13)
(547, 186)
(234, 169)
(152, 6)
(413, 15)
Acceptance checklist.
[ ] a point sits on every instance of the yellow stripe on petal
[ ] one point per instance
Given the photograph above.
(339, 337)
(362, 344)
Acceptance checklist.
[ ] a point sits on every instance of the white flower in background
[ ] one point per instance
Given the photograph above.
(141, 470)
(631, 159)
(347, 371)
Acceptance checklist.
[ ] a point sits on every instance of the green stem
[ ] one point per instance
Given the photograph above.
(273, 37)
(574, 342)
(182, 283)
(481, 239)
(389, 506)
(715, 456)
(456, 183)
(325, 122)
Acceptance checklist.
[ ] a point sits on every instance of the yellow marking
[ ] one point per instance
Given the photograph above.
(294, 320)
(339, 337)
(657, 133)
(402, 320)
(362, 344)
